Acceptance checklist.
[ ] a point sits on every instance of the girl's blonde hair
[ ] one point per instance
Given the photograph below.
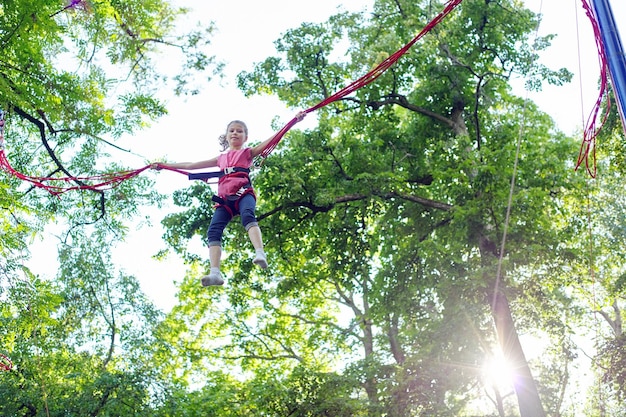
(222, 138)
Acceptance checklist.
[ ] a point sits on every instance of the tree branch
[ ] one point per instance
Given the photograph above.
(41, 126)
(357, 197)
(401, 100)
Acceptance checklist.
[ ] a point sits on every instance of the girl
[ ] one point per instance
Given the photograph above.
(235, 194)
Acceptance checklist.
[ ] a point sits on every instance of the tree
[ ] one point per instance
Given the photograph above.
(601, 276)
(408, 242)
(74, 77)
(457, 82)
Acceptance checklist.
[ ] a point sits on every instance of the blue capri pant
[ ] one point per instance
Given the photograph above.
(245, 207)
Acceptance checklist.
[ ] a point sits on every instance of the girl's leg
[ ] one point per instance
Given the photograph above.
(247, 206)
(255, 237)
(215, 256)
(254, 232)
(220, 219)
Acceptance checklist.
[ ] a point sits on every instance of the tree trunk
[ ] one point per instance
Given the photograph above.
(371, 386)
(523, 382)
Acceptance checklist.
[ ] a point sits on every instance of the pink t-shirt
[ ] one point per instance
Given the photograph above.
(230, 184)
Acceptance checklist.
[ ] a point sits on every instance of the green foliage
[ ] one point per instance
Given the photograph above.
(399, 199)
(613, 353)
(73, 79)
(384, 225)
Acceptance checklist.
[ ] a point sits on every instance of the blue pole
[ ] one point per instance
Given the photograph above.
(614, 52)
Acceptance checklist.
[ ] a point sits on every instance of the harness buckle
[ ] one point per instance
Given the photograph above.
(217, 199)
(229, 170)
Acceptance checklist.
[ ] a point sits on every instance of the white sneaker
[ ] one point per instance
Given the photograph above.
(214, 278)
(260, 259)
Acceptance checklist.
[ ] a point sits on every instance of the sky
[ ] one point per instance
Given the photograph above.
(574, 48)
(246, 31)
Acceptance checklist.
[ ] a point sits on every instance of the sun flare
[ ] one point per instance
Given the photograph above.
(498, 373)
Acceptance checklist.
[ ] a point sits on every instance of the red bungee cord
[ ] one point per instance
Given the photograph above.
(5, 363)
(592, 129)
(112, 180)
(367, 78)
(98, 182)
(50, 184)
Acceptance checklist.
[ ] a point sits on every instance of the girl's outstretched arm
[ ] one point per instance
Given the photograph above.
(256, 151)
(207, 163)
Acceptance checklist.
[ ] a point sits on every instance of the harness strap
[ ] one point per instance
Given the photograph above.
(216, 174)
(231, 203)
(246, 189)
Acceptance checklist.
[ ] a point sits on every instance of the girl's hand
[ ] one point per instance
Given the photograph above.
(300, 115)
(156, 165)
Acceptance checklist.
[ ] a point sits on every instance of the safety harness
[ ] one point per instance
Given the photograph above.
(216, 174)
(231, 202)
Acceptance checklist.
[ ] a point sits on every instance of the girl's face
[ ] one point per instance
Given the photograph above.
(236, 135)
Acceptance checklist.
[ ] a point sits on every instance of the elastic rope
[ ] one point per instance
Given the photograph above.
(589, 211)
(367, 78)
(5, 363)
(587, 153)
(509, 206)
(98, 182)
(589, 203)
